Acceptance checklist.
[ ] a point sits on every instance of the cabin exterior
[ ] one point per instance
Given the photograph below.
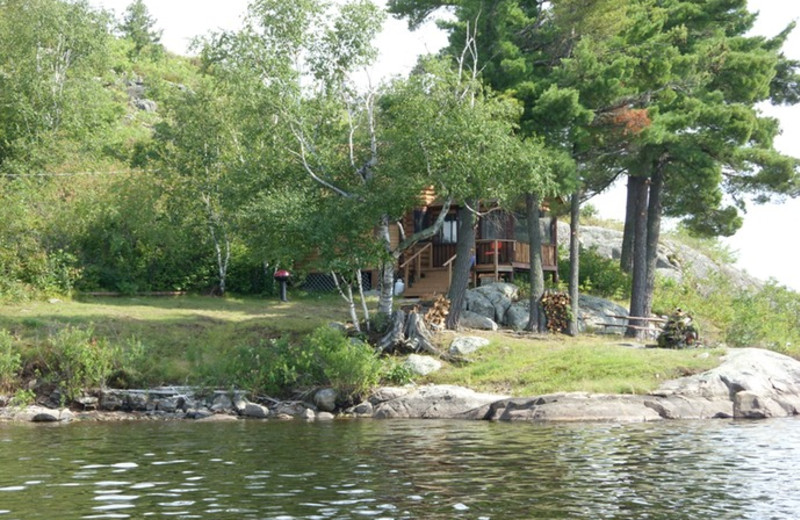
(501, 249)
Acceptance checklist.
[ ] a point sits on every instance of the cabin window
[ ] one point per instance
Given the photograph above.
(449, 231)
(494, 226)
(521, 229)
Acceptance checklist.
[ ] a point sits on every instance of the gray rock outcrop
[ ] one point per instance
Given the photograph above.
(674, 260)
(433, 402)
(749, 384)
(600, 315)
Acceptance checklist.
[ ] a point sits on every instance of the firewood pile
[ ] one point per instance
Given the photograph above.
(679, 331)
(437, 314)
(557, 311)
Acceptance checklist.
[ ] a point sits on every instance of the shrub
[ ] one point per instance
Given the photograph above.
(272, 366)
(599, 276)
(10, 361)
(350, 366)
(76, 360)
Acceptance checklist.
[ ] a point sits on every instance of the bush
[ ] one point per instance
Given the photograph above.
(350, 366)
(599, 276)
(768, 317)
(273, 366)
(10, 361)
(76, 360)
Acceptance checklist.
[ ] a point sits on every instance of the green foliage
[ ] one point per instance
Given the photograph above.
(10, 361)
(599, 276)
(766, 317)
(23, 397)
(271, 367)
(351, 366)
(76, 360)
(396, 373)
(276, 366)
(138, 26)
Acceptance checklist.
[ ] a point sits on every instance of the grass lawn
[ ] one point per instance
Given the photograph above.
(180, 334)
(190, 335)
(535, 365)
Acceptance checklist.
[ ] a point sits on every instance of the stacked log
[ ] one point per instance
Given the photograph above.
(556, 307)
(437, 314)
(679, 331)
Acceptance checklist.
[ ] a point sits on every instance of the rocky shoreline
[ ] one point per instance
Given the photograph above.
(749, 384)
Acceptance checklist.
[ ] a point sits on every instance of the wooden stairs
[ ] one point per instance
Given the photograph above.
(432, 282)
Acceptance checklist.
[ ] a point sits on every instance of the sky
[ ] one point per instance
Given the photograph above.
(764, 245)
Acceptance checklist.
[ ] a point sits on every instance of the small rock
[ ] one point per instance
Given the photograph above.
(325, 416)
(45, 417)
(255, 411)
(293, 409)
(110, 402)
(222, 401)
(87, 402)
(240, 405)
(467, 345)
(422, 365)
(218, 417)
(138, 402)
(308, 414)
(364, 408)
(325, 399)
(198, 414)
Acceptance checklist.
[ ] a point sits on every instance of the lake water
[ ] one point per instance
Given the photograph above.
(401, 470)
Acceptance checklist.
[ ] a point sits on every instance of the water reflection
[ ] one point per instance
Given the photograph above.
(401, 470)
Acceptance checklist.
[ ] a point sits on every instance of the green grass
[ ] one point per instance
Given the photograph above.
(195, 340)
(178, 334)
(526, 367)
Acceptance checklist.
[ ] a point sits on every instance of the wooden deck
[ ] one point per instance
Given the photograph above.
(427, 268)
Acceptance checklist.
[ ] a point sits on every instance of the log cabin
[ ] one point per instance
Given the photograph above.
(501, 248)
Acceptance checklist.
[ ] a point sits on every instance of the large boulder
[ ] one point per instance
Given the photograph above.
(749, 384)
(518, 315)
(492, 300)
(478, 303)
(470, 320)
(600, 315)
(325, 399)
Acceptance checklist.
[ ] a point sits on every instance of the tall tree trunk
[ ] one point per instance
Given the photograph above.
(532, 207)
(574, 261)
(628, 235)
(461, 267)
(386, 298)
(653, 232)
(346, 293)
(222, 244)
(364, 308)
(639, 287)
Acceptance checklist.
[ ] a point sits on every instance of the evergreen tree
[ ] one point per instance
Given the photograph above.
(139, 27)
